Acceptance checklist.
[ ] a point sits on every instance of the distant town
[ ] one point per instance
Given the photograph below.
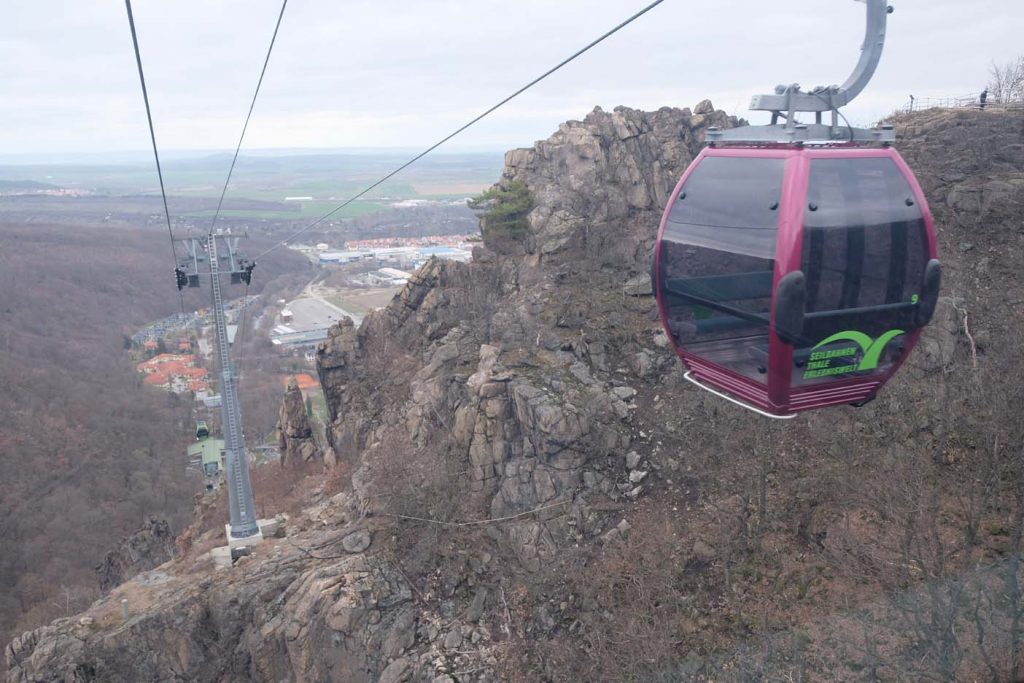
(364, 275)
(386, 265)
(404, 252)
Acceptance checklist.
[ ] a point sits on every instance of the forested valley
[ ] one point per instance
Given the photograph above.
(87, 452)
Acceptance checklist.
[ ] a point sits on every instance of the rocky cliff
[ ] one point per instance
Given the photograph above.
(536, 494)
(295, 435)
(150, 546)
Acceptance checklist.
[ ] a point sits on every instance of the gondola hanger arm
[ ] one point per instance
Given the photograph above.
(825, 98)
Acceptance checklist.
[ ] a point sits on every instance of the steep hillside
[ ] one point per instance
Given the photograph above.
(536, 494)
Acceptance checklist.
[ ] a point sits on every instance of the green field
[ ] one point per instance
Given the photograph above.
(194, 184)
(272, 177)
(362, 301)
(320, 418)
(303, 210)
(348, 305)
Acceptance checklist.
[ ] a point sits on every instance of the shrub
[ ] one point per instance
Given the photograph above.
(502, 210)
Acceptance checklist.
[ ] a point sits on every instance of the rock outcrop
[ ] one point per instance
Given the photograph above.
(278, 615)
(149, 547)
(295, 435)
(453, 357)
(613, 168)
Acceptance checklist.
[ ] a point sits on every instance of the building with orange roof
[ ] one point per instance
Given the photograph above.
(157, 379)
(167, 361)
(174, 372)
(197, 385)
(304, 381)
(159, 360)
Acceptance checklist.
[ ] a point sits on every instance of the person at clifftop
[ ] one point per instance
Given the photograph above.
(983, 98)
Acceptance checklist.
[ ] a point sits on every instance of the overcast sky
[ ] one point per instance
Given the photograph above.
(403, 73)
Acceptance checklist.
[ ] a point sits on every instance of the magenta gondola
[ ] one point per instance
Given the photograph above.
(794, 277)
(795, 264)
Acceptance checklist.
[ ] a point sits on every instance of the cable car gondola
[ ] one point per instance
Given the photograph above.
(796, 264)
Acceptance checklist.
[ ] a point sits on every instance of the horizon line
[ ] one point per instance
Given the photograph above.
(140, 156)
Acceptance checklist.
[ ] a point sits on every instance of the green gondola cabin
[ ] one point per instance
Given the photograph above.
(208, 453)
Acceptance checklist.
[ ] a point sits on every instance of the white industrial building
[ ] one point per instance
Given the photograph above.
(342, 256)
(395, 273)
(403, 256)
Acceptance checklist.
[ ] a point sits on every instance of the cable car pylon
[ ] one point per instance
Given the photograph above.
(243, 528)
(243, 524)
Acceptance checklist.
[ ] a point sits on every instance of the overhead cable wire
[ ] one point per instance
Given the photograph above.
(240, 332)
(252, 105)
(152, 137)
(497, 106)
(240, 335)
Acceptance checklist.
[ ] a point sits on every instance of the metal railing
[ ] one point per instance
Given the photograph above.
(971, 101)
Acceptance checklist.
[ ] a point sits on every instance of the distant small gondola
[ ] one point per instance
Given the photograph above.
(207, 455)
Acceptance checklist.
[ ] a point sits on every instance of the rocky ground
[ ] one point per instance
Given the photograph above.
(536, 494)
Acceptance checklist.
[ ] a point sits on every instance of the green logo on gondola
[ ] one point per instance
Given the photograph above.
(844, 359)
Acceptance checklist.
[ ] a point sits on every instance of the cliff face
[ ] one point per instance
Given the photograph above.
(491, 385)
(295, 435)
(148, 547)
(536, 494)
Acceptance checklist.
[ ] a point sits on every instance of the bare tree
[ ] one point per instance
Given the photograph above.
(1006, 81)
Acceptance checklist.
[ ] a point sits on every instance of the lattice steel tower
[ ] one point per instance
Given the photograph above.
(219, 247)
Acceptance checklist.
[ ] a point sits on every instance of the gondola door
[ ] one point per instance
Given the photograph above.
(715, 266)
(867, 280)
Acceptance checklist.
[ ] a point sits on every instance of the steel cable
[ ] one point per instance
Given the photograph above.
(252, 105)
(152, 137)
(448, 137)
